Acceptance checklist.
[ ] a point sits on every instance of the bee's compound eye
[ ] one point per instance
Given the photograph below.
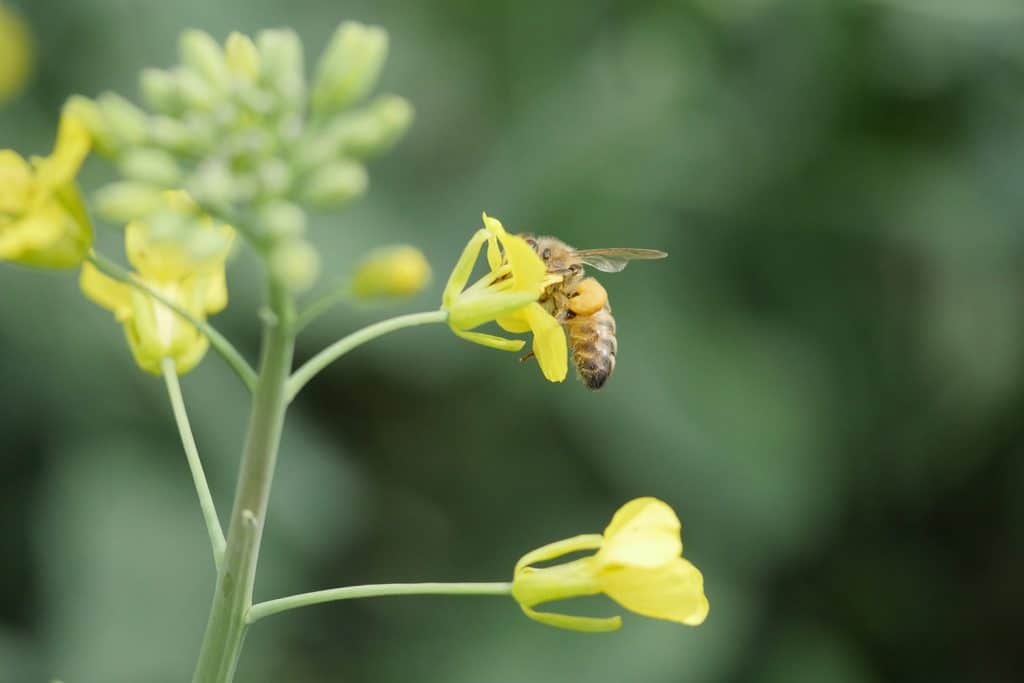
(546, 254)
(532, 243)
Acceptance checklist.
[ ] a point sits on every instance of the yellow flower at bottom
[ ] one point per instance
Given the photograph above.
(638, 564)
(508, 294)
(198, 285)
(15, 53)
(43, 221)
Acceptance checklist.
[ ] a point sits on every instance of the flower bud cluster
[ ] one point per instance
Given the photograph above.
(241, 131)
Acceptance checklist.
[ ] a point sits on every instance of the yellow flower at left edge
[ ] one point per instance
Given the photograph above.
(43, 221)
(195, 283)
(507, 294)
(16, 53)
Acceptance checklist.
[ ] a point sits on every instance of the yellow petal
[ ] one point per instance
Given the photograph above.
(555, 550)
(517, 323)
(189, 355)
(158, 260)
(494, 257)
(469, 311)
(463, 268)
(490, 340)
(107, 292)
(493, 226)
(37, 231)
(69, 152)
(528, 270)
(674, 591)
(15, 182)
(214, 292)
(549, 344)
(571, 623)
(645, 532)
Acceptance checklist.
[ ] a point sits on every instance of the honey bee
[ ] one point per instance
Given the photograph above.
(580, 303)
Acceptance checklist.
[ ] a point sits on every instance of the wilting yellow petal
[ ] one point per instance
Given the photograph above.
(673, 591)
(107, 292)
(549, 344)
(643, 533)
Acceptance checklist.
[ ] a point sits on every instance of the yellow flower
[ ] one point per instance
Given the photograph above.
(638, 564)
(391, 272)
(549, 344)
(196, 284)
(43, 221)
(15, 53)
(507, 294)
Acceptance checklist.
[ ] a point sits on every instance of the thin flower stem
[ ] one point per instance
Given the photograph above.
(219, 343)
(265, 609)
(325, 302)
(339, 348)
(188, 441)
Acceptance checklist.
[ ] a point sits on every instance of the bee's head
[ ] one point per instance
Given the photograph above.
(558, 256)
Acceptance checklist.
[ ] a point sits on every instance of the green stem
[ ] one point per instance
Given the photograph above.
(339, 348)
(325, 302)
(265, 609)
(227, 624)
(188, 441)
(219, 343)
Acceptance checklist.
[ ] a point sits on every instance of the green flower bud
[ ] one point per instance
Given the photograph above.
(336, 183)
(201, 53)
(153, 166)
(171, 134)
(295, 264)
(281, 54)
(242, 57)
(391, 272)
(349, 67)
(126, 201)
(91, 116)
(213, 182)
(196, 92)
(361, 134)
(126, 123)
(160, 91)
(283, 220)
(275, 177)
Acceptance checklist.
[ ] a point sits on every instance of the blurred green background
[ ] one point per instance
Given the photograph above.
(826, 379)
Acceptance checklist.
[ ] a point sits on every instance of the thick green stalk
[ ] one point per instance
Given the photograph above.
(227, 624)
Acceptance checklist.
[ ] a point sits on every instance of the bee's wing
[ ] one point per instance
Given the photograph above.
(614, 260)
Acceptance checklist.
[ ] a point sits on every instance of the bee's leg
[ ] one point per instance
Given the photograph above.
(526, 357)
